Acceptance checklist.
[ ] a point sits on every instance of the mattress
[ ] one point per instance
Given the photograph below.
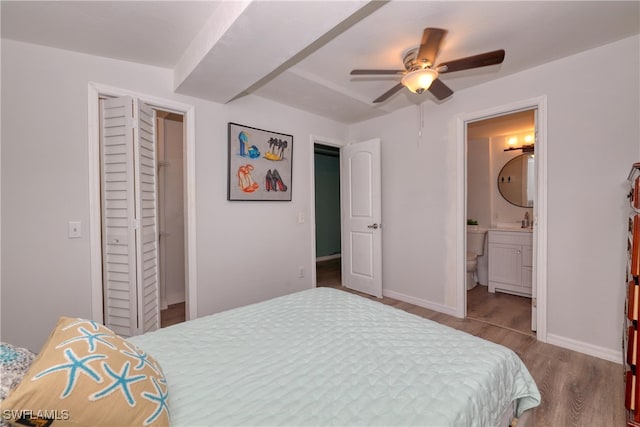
(327, 357)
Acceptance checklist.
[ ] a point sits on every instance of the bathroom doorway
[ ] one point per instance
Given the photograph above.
(500, 206)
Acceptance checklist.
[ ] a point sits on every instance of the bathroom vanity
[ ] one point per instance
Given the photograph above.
(510, 260)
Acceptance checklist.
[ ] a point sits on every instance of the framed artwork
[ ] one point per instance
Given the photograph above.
(259, 165)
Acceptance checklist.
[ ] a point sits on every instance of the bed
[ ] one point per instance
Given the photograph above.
(326, 357)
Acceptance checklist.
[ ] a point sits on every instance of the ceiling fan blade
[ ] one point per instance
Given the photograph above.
(377, 72)
(430, 45)
(440, 90)
(388, 93)
(475, 61)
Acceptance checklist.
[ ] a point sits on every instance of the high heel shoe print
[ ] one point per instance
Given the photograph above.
(245, 181)
(253, 185)
(246, 150)
(278, 181)
(268, 181)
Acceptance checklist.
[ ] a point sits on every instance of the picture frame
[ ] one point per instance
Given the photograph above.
(260, 165)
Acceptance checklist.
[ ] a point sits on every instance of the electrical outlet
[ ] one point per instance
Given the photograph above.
(301, 271)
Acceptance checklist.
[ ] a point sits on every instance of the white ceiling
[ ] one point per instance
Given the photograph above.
(300, 53)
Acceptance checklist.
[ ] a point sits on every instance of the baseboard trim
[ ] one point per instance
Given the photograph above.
(328, 257)
(586, 348)
(440, 308)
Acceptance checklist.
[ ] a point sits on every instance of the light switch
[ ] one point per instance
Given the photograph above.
(300, 217)
(75, 230)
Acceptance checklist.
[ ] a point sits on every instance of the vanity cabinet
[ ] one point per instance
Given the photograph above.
(510, 261)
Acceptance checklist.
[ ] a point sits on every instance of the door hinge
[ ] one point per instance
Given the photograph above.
(534, 302)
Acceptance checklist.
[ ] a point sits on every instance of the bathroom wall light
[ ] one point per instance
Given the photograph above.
(525, 148)
(419, 80)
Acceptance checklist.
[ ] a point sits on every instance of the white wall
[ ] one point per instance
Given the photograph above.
(593, 137)
(479, 181)
(246, 252)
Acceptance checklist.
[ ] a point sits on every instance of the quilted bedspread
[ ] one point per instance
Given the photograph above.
(326, 357)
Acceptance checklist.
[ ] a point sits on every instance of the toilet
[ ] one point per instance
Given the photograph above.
(475, 248)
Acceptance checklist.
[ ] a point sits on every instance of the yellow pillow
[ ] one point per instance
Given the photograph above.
(86, 375)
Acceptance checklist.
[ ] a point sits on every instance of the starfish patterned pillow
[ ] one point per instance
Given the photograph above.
(86, 375)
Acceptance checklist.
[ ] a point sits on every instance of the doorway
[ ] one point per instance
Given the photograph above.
(538, 219)
(328, 262)
(171, 237)
(95, 93)
(360, 215)
(142, 215)
(500, 150)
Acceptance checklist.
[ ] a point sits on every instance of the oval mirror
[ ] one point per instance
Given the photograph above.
(516, 181)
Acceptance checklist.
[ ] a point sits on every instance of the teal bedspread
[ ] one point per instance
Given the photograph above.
(326, 357)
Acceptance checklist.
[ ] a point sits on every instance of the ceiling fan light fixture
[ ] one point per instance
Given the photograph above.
(419, 80)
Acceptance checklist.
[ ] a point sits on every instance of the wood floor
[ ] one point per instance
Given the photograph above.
(175, 313)
(577, 390)
(500, 309)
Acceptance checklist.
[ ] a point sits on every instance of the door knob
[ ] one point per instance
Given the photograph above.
(374, 226)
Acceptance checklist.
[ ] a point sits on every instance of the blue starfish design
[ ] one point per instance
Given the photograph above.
(161, 399)
(141, 357)
(7, 354)
(92, 339)
(76, 366)
(121, 381)
(94, 324)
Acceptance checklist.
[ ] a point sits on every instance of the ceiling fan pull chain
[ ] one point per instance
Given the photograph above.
(420, 124)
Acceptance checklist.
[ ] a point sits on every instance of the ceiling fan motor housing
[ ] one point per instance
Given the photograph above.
(410, 61)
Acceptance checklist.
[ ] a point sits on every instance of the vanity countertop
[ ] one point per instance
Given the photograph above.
(520, 230)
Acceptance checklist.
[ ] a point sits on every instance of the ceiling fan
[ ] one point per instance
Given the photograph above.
(420, 74)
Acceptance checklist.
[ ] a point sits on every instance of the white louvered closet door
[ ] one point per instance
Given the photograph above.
(129, 223)
(147, 206)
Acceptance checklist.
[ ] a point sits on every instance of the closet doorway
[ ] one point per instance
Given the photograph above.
(171, 207)
(326, 161)
(142, 229)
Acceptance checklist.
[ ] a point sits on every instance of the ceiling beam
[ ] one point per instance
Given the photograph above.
(214, 30)
(227, 50)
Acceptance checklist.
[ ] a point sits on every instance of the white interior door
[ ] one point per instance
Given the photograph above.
(534, 278)
(129, 218)
(361, 217)
(118, 215)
